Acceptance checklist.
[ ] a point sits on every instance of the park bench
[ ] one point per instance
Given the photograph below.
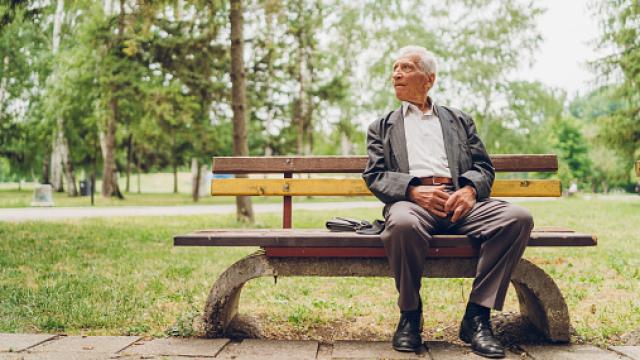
(319, 252)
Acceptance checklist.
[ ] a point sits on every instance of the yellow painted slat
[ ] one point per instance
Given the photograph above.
(357, 187)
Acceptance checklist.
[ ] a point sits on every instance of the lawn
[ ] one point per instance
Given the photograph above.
(122, 276)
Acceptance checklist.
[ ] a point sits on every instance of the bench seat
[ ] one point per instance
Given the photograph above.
(323, 243)
(324, 238)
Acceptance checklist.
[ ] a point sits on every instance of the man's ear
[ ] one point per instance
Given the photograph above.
(431, 79)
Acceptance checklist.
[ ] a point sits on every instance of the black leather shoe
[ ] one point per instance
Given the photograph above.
(408, 334)
(477, 332)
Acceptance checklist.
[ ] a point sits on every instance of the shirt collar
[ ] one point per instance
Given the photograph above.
(407, 105)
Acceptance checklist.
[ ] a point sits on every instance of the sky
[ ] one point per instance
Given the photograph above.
(569, 31)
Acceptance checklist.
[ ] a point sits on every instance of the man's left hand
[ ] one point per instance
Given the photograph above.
(461, 202)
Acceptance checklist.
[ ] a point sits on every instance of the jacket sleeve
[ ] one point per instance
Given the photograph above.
(388, 186)
(481, 174)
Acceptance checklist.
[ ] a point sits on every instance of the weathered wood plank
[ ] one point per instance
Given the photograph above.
(356, 164)
(325, 238)
(357, 187)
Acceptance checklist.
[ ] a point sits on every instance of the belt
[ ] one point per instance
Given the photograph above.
(435, 180)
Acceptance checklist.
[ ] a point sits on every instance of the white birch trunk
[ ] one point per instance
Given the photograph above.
(345, 144)
(60, 160)
(108, 7)
(3, 81)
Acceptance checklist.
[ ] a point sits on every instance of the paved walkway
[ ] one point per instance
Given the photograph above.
(54, 347)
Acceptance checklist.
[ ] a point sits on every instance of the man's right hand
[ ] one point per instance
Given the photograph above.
(432, 198)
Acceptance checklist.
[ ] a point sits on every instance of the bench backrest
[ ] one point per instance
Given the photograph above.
(355, 186)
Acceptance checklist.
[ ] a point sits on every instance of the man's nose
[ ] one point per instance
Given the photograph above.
(396, 75)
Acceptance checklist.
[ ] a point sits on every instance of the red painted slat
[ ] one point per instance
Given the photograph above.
(466, 251)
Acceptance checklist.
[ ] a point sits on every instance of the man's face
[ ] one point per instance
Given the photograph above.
(410, 83)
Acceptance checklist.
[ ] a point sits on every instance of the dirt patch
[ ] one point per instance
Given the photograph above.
(511, 328)
(632, 338)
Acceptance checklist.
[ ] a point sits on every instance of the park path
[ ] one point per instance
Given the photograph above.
(59, 213)
(54, 347)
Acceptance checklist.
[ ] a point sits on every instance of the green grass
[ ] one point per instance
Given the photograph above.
(123, 276)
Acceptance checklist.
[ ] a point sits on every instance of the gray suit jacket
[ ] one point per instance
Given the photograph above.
(387, 171)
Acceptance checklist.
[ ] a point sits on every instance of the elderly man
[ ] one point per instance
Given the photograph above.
(428, 165)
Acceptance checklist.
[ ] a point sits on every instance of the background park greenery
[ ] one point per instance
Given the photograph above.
(133, 86)
(92, 87)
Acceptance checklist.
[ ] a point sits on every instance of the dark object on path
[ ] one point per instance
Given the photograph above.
(85, 187)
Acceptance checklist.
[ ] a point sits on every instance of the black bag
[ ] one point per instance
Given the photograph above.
(362, 227)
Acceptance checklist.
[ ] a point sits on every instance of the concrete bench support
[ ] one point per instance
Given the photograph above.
(540, 299)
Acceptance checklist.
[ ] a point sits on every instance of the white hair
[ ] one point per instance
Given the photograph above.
(427, 61)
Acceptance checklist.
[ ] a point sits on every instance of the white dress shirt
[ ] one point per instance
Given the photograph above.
(425, 143)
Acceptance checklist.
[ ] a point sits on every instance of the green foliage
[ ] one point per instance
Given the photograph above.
(317, 72)
(609, 168)
(620, 128)
(574, 164)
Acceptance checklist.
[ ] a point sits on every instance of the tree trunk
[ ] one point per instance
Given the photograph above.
(109, 180)
(486, 122)
(139, 171)
(60, 160)
(345, 144)
(129, 160)
(195, 179)
(56, 161)
(3, 81)
(175, 178)
(299, 103)
(109, 164)
(46, 158)
(244, 210)
(72, 188)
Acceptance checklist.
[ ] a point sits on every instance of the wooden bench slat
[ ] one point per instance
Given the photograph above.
(324, 238)
(357, 187)
(356, 164)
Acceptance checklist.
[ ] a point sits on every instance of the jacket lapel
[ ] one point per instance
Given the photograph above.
(398, 140)
(451, 143)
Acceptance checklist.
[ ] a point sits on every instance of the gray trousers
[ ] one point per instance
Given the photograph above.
(501, 229)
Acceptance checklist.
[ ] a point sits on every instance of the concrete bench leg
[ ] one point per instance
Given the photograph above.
(222, 304)
(541, 301)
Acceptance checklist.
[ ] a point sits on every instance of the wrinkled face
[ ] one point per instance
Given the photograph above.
(409, 81)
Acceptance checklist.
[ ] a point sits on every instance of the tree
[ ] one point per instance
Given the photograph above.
(609, 167)
(108, 140)
(60, 157)
(23, 70)
(621, 69)
(238, 100)
(572, 149)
